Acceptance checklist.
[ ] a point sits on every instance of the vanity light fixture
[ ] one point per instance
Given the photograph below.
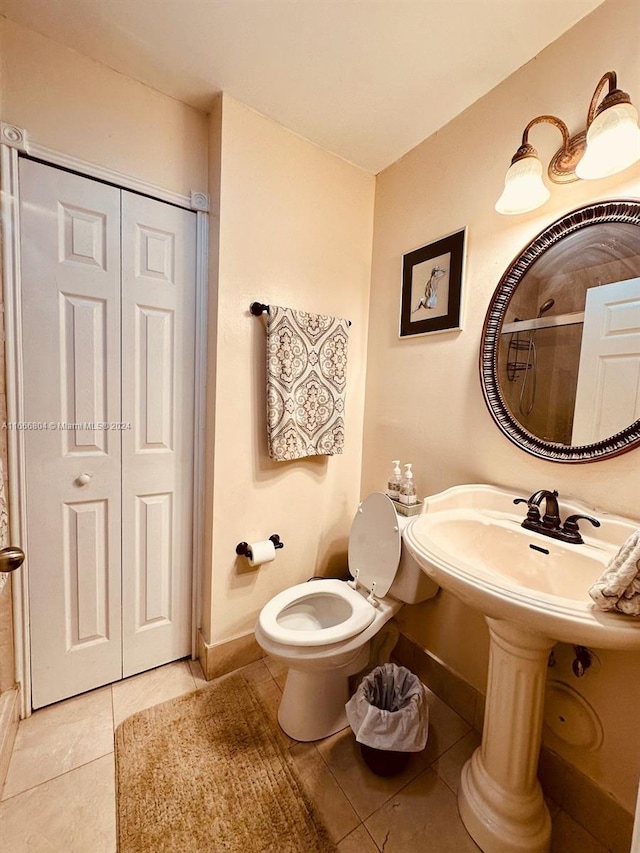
(610, 144)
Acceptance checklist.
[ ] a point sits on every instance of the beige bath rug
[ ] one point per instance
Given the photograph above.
(206, 772)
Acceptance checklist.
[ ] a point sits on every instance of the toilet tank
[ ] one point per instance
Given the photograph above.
(410, 585)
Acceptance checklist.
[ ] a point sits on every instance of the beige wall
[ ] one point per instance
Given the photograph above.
(215, 174)
(295, 229)
(423, 397)
(80, 107)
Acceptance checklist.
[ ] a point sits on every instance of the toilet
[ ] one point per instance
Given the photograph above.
(324, 631)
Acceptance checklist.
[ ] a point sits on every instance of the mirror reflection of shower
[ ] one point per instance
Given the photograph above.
(523, 358)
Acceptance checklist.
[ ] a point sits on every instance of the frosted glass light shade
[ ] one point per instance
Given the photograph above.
(524, 188)
(613, 143)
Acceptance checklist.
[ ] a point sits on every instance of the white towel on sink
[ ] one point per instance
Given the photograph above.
(618, 588)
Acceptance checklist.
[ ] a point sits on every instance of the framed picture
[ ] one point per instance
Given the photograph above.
(432, 287)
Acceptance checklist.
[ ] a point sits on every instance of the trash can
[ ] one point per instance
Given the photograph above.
(389, 716)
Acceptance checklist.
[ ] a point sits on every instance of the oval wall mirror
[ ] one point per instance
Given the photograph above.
(560, 351)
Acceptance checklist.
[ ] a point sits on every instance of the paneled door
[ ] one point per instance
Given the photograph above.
(608, 392)
(158, 334)
(108, 305)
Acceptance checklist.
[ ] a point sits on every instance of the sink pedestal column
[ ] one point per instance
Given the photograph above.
(500, 799)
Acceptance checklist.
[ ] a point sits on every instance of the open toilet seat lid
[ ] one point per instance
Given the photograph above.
(374, 544)
(352, 613)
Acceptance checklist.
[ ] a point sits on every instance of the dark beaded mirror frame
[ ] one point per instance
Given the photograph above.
(616, 211)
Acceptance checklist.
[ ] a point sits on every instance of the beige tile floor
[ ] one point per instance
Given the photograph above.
(59, 795)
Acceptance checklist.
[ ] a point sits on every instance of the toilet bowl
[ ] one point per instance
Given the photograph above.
(322, 630)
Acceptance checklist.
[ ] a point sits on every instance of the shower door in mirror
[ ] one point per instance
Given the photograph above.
(108, 304)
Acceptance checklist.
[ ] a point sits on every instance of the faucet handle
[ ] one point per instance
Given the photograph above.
(572, 521)
(571, 526)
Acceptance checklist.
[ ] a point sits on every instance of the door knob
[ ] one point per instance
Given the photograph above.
(83, 479)
(11, 559)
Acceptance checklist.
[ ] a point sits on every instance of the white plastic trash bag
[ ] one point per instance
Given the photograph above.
(389, 710)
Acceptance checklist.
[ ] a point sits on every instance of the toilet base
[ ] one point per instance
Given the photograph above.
(312, 705)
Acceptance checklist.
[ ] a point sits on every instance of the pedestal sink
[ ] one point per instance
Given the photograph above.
(533, 591)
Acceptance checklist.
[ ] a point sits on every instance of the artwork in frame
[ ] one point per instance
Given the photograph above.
(432, 287)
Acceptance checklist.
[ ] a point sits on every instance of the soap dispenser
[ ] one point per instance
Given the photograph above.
(393, 488)
(408, 487)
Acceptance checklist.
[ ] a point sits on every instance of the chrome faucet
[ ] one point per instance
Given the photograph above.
(549, 524)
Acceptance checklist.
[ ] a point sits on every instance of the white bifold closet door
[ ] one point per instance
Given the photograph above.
(108, 325)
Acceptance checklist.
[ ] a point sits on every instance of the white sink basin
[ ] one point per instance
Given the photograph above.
(533, 591)
(469, 539)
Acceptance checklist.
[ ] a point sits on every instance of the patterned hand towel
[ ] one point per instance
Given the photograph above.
(619, 586)
(306, 379)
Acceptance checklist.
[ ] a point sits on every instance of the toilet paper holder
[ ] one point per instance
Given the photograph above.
(243, 549)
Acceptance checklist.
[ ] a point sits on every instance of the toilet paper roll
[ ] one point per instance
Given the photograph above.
(261, 552)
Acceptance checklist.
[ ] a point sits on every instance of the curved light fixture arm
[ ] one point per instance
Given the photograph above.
(613, 96)
(527, 150)
(563, 163)
(612, 79)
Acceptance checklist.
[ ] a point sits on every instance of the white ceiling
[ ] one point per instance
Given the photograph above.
(366, 79)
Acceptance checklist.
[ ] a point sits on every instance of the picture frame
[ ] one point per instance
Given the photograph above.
(431, 298)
